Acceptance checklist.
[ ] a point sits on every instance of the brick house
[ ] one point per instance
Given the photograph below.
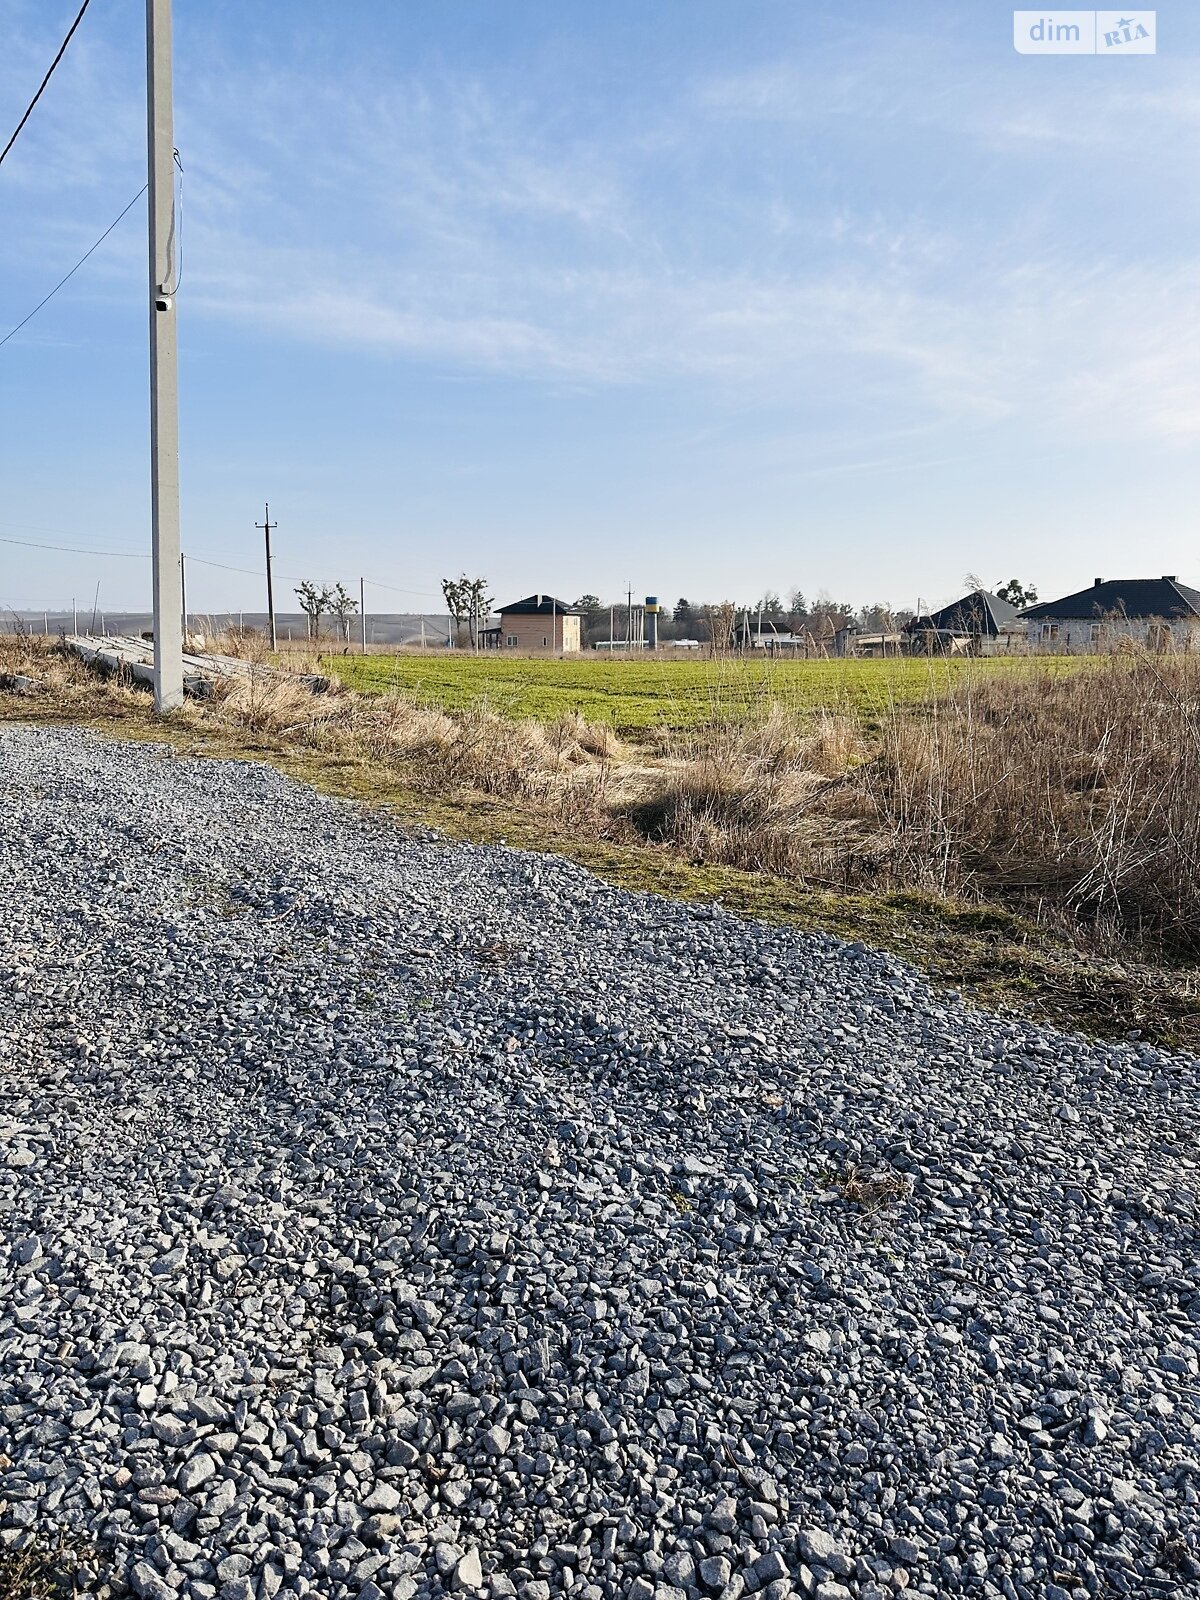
(539, 622)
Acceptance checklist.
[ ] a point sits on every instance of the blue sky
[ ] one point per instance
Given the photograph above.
(705, 297)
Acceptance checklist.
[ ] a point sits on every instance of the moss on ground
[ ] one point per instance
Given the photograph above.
(993, 956)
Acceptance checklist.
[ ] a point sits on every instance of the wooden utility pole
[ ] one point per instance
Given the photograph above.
(266, 525)
(164, 364)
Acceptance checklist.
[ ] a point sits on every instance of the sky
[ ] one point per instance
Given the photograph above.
(702, 298)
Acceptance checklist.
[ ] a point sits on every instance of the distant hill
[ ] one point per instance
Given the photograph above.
(399, 628)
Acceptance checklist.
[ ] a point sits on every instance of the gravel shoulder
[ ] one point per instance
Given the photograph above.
(387, 1217)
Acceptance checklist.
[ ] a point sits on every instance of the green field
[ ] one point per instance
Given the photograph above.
(651, 692)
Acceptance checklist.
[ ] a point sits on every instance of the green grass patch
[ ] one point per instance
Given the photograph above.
(660, 692)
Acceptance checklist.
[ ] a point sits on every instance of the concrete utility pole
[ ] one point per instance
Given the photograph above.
(362, 611)
(183, 593)
(164, 365)
(266, 525)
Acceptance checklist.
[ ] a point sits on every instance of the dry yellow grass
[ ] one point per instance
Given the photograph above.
(760, 794)
(1078, 796)
(1071, 795)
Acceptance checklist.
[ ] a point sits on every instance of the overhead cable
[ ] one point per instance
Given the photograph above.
(62, 50)
(76, 267)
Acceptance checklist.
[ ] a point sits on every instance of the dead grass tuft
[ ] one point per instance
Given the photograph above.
(759, 794)
(580, 739)
(872, 1191)
(60, 1571)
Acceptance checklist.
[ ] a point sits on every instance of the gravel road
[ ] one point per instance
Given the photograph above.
(386, 1217)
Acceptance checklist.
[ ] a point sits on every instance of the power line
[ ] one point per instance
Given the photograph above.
(201, 561)
(424, 594)
(77, 550)
(75, 268)
(39, 527)
(29, 109)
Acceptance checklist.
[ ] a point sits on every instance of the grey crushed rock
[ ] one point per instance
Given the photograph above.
(388, 1218)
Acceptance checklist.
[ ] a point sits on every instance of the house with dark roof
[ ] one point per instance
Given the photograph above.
(980, 623)
(539, 622)
(1159, 613)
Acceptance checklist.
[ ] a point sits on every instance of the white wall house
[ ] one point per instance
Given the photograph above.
(1156, 613)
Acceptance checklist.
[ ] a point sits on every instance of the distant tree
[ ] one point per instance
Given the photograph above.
(468, 602)
(457, 592)
(722, 621)
(771, 605)
(797, 616)
(826, 607)
(479, 604)
(878, 618)
(973, 581)
(684, 611)
(595, 618)
(314, 603)
(342, 606)
(826, 618)
(1017, 594)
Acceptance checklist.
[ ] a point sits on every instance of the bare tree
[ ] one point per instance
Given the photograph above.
(314, 603)
(479, 603)
(721, 619)
(343, 606)
(458, 600)
(468, 601)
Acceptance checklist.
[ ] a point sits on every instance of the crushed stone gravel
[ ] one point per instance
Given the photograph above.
(386, 1217)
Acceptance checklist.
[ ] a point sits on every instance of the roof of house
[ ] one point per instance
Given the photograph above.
(539, 605)
(1126, 597)
(979, 612)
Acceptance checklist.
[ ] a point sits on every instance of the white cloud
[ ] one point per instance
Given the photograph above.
(435, 218)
